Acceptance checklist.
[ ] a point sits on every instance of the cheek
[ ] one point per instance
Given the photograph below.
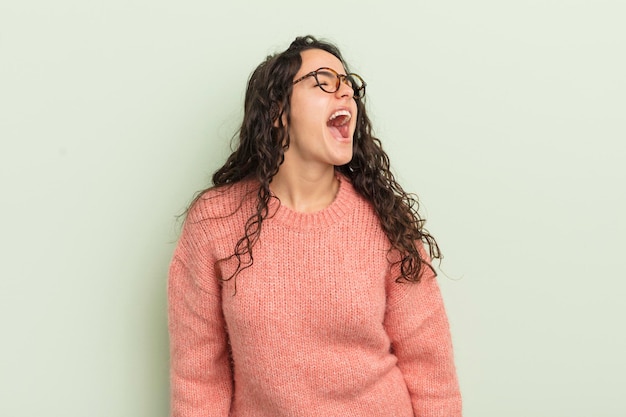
(311, 117)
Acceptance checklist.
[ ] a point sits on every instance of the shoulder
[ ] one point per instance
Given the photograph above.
(224, 201)
(223, 208)
(361, 208)
(349, 193)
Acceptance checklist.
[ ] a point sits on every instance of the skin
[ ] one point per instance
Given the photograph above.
(306, 181)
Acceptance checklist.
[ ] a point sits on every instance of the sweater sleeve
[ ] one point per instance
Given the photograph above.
(200, 372)
(417, 324)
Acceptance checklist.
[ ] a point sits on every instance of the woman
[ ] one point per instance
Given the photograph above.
(300, 285)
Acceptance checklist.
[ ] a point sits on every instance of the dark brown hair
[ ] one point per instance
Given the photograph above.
(260, 148)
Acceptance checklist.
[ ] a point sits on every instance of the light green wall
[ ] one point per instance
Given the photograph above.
(507, 118)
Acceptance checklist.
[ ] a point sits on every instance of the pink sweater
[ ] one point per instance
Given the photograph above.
(317, 327)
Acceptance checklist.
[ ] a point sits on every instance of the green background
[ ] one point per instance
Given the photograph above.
(507, 118)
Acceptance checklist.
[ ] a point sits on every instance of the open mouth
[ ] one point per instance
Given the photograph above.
(339, 123)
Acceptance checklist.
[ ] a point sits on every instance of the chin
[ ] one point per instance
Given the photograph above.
(340, 149)
(342, 159)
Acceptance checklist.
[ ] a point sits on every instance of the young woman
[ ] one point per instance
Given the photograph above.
(300, 285)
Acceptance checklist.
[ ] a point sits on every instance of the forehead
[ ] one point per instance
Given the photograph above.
(313, 59)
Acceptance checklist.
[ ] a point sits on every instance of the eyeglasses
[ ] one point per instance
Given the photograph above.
(329, 81)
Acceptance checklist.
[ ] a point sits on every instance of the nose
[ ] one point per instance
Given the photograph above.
(344, 90)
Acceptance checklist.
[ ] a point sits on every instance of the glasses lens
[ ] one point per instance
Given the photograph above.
(327, 80)
(357, 84)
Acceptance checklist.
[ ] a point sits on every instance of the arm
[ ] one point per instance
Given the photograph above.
(200, 372)
(417, 324)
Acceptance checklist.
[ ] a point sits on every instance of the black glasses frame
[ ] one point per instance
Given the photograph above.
(359, 93)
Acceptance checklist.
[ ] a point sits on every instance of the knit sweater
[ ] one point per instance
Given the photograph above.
(317, 326)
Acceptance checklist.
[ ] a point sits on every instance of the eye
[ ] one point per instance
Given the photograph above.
(326, 78)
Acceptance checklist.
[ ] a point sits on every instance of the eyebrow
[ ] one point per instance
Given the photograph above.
(318, 68)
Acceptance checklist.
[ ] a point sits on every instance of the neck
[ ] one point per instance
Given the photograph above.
(305, 192)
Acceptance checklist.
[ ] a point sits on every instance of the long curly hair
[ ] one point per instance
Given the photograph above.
(263, 140)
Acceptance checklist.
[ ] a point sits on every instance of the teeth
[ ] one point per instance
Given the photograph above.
(340, 113)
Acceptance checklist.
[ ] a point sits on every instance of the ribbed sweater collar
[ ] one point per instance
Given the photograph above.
(341, 207)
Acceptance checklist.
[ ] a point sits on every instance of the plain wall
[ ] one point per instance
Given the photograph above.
(506, 118)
